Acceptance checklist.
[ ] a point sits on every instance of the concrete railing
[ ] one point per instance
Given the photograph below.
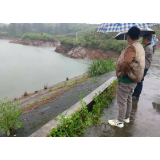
(44, 130)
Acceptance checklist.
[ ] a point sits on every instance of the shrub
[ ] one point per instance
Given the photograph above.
(38, 36)
(94, 40)
(111, 90)
(75, 125)
(101, 102)
(99, 67)
(9, 116)
(3, 33)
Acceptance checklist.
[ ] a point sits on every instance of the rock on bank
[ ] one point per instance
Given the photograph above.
(85, 53)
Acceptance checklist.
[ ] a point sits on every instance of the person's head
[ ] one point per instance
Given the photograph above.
(147, 39)
(133, 34)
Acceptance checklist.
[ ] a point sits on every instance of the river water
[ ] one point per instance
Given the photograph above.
(29, 68)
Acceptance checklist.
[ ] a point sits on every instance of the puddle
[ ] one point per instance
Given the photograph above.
(156, 107)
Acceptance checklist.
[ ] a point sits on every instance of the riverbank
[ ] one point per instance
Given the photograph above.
(86, 53)
(36, 43)
(78, 52)
(36, 118)
(31, 42)
(9, 38)
(39, 98)
(71, 52)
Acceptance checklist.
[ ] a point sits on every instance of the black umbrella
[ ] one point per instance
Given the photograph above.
(143, 31)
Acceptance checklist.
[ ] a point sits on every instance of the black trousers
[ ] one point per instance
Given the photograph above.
(154, 48)
(138, 89)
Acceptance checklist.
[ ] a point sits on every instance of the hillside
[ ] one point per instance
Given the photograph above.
(94, 40)
(18, 29)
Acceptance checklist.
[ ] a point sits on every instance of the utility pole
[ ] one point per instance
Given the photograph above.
(76, 37)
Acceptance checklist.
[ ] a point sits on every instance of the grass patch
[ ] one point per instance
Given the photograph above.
(71, 83)
(94, 79)
(76, 125)
(9, 116)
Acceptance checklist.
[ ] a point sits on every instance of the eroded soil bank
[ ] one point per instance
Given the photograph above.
(8, 38)
(35, 43)
(31, 42)
(85, 53)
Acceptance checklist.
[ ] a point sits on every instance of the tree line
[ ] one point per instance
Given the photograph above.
(18, 29)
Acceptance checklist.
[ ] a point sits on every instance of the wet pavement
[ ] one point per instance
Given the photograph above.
(145, 115)
(35, 119)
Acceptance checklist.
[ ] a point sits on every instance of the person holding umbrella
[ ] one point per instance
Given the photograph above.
(129, 70)
(130, 65)
(148, 59)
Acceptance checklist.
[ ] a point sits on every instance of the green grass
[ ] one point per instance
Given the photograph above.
(71, 83)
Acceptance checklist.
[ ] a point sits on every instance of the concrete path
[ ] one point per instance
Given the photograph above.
(145, 116)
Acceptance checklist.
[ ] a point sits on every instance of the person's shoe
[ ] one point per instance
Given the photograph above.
(126, 120)
(135, 98)
(116, 122)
